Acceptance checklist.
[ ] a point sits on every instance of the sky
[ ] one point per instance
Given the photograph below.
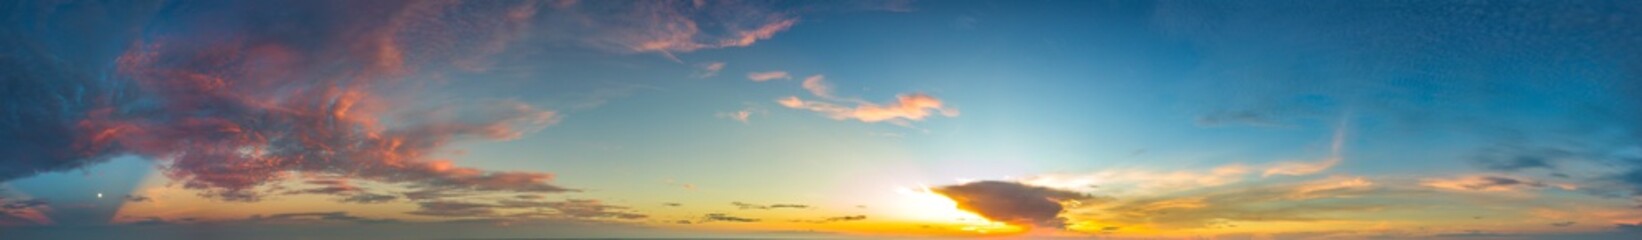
(820, 119)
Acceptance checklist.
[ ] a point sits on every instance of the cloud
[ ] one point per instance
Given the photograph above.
(137, 198)
(577, 208)
(1216, 207)
(720, 217)
(906, 108)
(1142, 181)
(29, 212)
(368, 198)
(848, 218)
(1308, 168)
(1245, 117)
(1488, 184)
(669, 27)
(1014, 203)
(231, 98)
(707, 70)
(309, 216)
(453, 209)
(742, 205)
(818, 86)
(744, 115)
(767, 76)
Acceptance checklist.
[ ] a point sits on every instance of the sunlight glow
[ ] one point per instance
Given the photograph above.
(923, 205)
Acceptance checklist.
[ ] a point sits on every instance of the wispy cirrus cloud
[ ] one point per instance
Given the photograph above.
(1489, 183)
(707, 69)
(767, 76)
(906, 109)
(818, 86)
(670, 27)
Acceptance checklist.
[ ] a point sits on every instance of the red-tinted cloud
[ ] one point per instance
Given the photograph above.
(232, 97)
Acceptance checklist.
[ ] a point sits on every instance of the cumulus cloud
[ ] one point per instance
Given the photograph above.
(905, 109)
(766, 76)
(1012, 202)
(231, 98)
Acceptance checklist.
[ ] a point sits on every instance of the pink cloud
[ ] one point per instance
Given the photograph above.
(818, 86)
(767, 76)
(231, 114)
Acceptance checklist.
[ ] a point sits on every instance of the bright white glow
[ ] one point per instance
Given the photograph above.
(924, 205)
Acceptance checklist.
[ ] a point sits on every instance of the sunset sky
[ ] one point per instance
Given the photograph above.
(821, 119)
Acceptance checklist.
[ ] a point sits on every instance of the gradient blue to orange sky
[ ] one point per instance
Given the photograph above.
(820, 119)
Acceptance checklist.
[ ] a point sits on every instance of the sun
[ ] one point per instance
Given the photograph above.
(921, 204)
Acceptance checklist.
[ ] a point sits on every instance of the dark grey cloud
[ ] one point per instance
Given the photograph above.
(1012, 202)
(320, 216)
(720, 217)
(369, 198)
(137, 198)
(1562, 224)
(454, 209)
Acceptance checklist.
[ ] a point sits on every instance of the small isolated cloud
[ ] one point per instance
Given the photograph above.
(137, 198)
(744, 115)
(1011, 202)
(720, 217)
(767, 76)
(818, 86)
(707, 70)
(1562, 224)
(905, 109)
(1488, 184)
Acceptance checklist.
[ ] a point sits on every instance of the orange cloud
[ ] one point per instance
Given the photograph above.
(907, 107)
